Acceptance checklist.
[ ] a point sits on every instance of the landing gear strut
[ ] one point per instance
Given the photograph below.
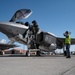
(38, 53)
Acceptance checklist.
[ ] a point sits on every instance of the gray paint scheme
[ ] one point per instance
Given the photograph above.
(49, 43)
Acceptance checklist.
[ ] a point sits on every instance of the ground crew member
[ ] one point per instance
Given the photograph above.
(67, 44)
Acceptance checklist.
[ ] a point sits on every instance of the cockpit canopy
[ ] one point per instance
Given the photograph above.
(21, 14)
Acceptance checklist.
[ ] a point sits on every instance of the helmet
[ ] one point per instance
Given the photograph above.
(27, 24)
(67, 32)
(34, 23)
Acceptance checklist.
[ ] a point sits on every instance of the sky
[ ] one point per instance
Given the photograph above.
(55, 16)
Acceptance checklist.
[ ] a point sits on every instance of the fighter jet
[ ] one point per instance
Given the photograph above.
(30, 35)
(4, 46)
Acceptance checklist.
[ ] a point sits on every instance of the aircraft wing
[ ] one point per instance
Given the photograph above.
(61, 41)
(6, 46)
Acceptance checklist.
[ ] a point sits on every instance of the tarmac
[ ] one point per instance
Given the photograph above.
(45, 65)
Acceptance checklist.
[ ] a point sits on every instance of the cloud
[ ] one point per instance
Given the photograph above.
(3, 41)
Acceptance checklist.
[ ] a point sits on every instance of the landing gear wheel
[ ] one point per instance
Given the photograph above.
(38, 53)
(28, 53)
(1, 53)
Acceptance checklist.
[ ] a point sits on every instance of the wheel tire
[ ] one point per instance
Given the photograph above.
(28, 53)
(1, 53)
(38, 53)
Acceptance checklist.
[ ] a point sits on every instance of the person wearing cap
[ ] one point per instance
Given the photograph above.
(67, 44)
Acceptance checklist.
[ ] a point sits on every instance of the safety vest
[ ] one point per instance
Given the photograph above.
(68, 40)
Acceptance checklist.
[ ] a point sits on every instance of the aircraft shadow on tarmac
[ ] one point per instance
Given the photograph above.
(21, 55)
